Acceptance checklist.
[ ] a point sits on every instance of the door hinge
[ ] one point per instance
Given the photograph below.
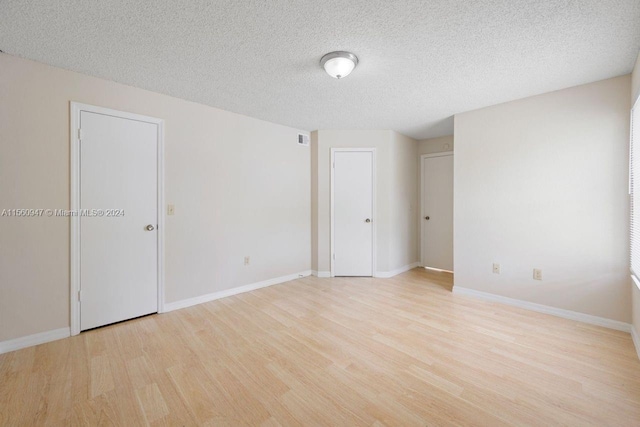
(79, 295)
(334, 256)
(79, 134)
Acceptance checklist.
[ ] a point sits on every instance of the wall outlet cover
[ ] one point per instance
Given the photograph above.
(496, 268)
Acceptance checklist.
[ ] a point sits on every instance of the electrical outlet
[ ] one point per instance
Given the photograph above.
(246, 260)
(537, 274)
(171, 209)
(496, 268)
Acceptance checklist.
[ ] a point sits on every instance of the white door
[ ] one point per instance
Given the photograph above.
(353, 213)
(118, 251)
(437, 212)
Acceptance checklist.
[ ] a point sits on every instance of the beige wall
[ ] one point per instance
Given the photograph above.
(314, 201)
(635, 315)
(435, 145)
(635, 80)
(542, 183)
(635, 94)
(396, 198)
(404, 202)
(240, 187)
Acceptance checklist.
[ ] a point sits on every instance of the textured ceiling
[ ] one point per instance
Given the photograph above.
(420, 61)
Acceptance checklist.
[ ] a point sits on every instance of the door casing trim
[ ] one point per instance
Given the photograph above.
(75, 109)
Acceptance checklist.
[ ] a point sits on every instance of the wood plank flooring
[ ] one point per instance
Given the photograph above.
(331, 352)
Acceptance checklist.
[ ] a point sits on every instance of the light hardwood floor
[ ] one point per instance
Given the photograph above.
(351, 351)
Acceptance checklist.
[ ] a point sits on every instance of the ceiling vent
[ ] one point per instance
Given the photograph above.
(303, 139)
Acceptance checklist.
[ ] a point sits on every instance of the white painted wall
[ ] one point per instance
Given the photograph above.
(635, 80)
(397, 195)
(635, 315)
(404, 201)
(542, 183)
(635, 300)
(314, 202)
(240, 187)
(435, 145)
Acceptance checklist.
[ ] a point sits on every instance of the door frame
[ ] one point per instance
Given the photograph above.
(75, 136)
(374, 218)
(422, 213)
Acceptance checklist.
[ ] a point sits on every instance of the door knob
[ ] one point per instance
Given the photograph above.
(427, 218)
(367, 220)
(150, 227)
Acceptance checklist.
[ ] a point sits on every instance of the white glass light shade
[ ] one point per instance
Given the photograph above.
(339, 67)
(339, 64)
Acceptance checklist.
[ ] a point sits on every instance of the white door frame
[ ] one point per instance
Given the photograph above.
(374, 218)
(75, 137)
(422, 212)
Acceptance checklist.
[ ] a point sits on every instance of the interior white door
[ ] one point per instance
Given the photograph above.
(118, 253)
(437, 212)
(353, 213)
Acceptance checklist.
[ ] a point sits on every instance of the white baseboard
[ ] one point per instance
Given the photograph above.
(387, 274)
(234, 291)
(35, 339)
(379, 274)
(567, 314)
(320, 273)
(636, 339)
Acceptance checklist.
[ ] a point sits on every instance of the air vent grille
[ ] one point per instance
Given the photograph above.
(303, 139)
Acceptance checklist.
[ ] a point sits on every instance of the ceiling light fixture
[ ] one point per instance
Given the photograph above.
(339, 64)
